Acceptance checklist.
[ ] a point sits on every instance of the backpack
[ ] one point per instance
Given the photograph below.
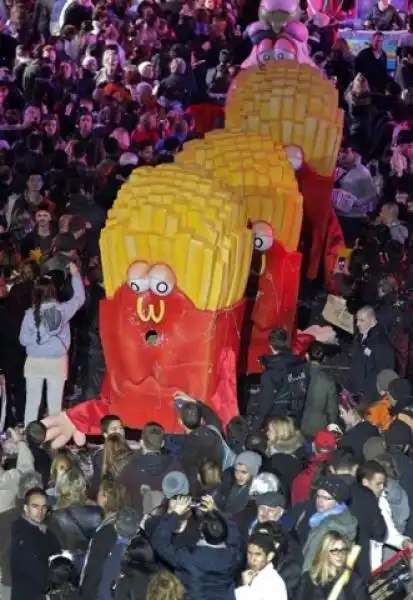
(289, 399)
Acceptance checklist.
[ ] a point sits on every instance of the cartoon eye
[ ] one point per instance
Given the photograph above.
(137, 277)
(162, 280)
(284, 55)
(139, 284)
(264, 57)
(263, 236)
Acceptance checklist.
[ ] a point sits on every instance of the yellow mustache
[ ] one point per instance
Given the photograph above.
(149, 314)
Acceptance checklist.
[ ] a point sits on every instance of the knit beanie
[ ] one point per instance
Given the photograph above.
(251, 460)
(373, 448)
(401, 392)
(335, 487)
(174, 484)
(384, 379)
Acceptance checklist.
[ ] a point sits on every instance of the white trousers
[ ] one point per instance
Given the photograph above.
(53, 371)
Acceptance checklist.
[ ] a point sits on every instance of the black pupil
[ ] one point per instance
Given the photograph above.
(162, 287)
(134, 286)
(258, 242)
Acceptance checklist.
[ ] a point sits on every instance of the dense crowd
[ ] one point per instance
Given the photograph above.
(307, 493)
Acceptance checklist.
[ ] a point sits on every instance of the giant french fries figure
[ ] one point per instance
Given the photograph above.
(298, 108)
(259, 171)
(176, 254)
(198, 253)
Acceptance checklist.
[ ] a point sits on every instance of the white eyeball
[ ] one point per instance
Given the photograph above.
(264, 237)
(139, 284)
(162, 280)
(137, 277)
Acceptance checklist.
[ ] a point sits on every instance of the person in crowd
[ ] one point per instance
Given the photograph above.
(285, 450)
(45, 333)
(164, 586)
(35, 434)
(260, 579)
(372, 63)
(138, 566)
(328, 512)
(383, 17)
(364, 505)
(321, 404)
(113, 499)
(109, 425)
(28, 481)
(330, 562)
(373, 476)
(62, 578)
(358, 429)
(10, 478)
(233, 495)
(74, 518)
(32, 544)
(371, 353)
(284, 384)
(116, 454)
(303, 485)
(208, 570)
(63, 461)
(149, 466)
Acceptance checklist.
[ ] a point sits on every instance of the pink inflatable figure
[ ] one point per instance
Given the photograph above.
(278, 35)
(289, 44)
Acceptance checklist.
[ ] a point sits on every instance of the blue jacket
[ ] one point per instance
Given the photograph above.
(207, 572)
(54, 326)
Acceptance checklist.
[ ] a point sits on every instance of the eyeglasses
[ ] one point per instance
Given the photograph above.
(338, 551)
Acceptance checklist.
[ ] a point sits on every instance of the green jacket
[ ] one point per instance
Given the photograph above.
(321, 405)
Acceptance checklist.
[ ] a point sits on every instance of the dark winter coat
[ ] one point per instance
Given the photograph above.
(207, 572)
(321, 405)
(75, 526)
(369, 356)
(29, 560)
(354, 590)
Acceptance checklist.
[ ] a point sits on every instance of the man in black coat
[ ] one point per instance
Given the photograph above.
(364, 506)
(31, 547)
(284, 384)
(371, 353)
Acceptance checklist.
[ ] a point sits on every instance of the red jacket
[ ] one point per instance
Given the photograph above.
(301, 487)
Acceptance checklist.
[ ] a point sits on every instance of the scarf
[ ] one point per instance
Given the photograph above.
(317, 518)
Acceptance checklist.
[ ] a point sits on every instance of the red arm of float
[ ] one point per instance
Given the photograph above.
(86, 416)
(316, 191)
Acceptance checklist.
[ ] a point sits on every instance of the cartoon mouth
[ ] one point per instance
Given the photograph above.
(152, 337)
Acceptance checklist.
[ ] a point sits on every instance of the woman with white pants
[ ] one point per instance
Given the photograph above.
(45, 333)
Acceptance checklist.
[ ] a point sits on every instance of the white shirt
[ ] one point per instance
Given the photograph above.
(267, 585)
(394, 538)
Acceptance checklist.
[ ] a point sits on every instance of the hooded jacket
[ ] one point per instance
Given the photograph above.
(149, 470)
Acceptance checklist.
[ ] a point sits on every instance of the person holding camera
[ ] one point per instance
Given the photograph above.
(207, 570)
(45, 333)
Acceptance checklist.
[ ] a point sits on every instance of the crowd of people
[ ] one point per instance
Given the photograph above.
(309, 491)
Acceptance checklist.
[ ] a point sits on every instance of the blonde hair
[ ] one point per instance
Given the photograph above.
(116, 453)
(164, 586)
(71, 487)
(209, 473)
(322, 572)
(62, 462)
(115, 495)
(287, 438)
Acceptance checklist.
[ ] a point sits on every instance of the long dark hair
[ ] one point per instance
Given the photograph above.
(43, 291)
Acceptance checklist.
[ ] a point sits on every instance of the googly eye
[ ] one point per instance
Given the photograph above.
(162, 280)
(264, 237)
(139, 284)
(137, 277)
(283, 55)
(264, 57)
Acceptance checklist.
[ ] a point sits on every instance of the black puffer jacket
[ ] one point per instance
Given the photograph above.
(75, 526)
